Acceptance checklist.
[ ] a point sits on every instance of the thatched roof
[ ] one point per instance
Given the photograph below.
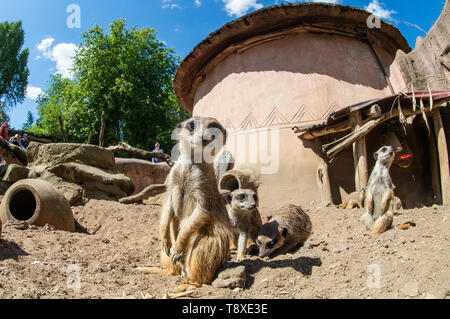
(266, 23)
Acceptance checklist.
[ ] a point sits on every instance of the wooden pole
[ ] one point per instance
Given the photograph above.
(443, 155)
(323, 181)
(102, 130)
(89, 137)
(359, 153)
(61, 126)
(434, 165)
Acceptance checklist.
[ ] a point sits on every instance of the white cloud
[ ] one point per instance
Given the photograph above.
(198, 3)
(377, 9)
(61, 53)
(240, 7)
(45, 44)
(169, 4)
(33, 92)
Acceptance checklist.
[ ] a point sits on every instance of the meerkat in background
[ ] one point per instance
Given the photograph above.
(283, 232)
(355, 199)
(244, 217)
(194, 226)
(380, 191)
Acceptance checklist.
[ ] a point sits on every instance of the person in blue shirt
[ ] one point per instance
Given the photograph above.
(157, 149)
(24, 140)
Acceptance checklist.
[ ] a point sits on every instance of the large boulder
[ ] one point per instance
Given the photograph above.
(142, 173)
(81, 174)
(15, 173)
(58, 153)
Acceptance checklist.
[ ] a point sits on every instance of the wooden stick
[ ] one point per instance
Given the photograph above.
(141, 153)
(359, 154)
(443, 155)
(151, 190)
(61, 126)
(102, 130)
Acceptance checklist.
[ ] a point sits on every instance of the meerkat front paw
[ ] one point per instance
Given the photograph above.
(177, 257)
(166, 246)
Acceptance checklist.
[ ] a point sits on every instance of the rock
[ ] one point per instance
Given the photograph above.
(17, 224)
(53, 154)
(323, 204)
(80, 174)
(15, 173)
(232, 278)
(341, 248)
(411, 289)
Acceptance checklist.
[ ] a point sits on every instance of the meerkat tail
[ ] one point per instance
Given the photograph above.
(186, 288)
(153, 270)
(383, 223)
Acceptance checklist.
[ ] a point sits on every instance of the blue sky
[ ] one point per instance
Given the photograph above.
(181, 24)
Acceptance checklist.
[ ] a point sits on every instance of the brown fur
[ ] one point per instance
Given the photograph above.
(244, 217)
(380, 192)
(194, 227)
(355, 199)
(284, 231)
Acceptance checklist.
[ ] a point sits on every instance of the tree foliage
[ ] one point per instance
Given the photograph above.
(128, 74)
(13, 65)
(29, 122)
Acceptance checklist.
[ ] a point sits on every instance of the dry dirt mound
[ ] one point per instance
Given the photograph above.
(342, 261)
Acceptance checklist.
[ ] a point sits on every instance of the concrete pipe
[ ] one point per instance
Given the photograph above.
(238, 179)
(38, 203)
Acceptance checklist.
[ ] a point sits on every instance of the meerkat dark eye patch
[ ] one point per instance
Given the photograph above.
(191, 126)
(241, 197)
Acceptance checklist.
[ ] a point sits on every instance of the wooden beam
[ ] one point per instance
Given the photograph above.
(443, 155)
(434, 165)
(323, 179)
(336, 128)
(359, 153)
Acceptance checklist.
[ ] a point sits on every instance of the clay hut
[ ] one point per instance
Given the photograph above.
(292, 82)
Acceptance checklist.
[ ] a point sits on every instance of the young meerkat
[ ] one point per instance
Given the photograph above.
(380, 192)
(194, 227)
(244, 217)
(283, 232)
(355, 199)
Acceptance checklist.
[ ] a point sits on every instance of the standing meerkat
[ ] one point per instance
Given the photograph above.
(244, 217)
(380, 191)
(283, 232)
(194, 227)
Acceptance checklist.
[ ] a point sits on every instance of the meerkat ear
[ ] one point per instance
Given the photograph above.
(227, 197)
(375, 156)
(284, 232)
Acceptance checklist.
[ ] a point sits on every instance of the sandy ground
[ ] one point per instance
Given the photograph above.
(342, 260)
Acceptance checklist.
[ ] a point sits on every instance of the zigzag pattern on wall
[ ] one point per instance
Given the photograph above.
(249, 122)
(303, 114)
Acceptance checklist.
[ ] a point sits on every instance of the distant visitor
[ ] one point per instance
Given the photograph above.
(157, 149)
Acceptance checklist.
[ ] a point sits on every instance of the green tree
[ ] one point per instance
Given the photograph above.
(128, 74)
(29, 122)
(13, 65)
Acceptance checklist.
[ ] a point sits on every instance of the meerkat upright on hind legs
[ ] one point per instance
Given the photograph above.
(194, 226)
(380, 191)
(244, 217)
